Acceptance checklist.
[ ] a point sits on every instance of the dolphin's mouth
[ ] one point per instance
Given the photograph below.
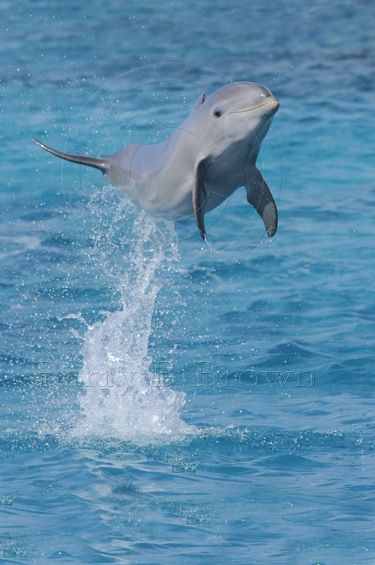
(274, 102)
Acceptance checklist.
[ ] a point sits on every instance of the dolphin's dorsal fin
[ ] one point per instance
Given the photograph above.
(200, 101)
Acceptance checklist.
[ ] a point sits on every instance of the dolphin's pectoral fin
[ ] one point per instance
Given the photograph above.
(200, 197)
(259, 196)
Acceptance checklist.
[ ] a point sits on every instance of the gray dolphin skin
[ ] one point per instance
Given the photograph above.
(211, 154)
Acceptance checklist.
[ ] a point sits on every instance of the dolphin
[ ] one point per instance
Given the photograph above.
(211, 154)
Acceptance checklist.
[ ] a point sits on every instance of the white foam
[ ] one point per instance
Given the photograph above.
(121, 396)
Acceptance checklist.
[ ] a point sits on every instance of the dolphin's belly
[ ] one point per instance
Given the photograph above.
(172, 198)
(167, 191)
(175, 200)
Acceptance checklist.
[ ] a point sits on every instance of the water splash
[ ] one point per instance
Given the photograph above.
(122, 397)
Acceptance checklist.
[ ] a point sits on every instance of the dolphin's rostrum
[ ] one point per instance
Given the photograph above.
(206, 158)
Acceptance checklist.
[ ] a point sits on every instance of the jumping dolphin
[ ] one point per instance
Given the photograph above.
(213, 152)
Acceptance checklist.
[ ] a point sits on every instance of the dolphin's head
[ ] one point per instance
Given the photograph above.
(238, 112)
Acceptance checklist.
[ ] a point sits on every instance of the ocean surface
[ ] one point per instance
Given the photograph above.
(164, 401)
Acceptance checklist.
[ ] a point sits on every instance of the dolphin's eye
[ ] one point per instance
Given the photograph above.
(218, 113)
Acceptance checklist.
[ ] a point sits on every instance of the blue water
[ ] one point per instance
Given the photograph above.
(165, 401)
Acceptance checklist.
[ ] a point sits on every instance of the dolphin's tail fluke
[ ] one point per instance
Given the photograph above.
(100, 164)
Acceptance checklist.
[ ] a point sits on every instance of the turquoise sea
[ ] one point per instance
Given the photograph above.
(166, 401)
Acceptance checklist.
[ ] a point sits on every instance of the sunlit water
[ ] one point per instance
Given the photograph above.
(166, 401)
